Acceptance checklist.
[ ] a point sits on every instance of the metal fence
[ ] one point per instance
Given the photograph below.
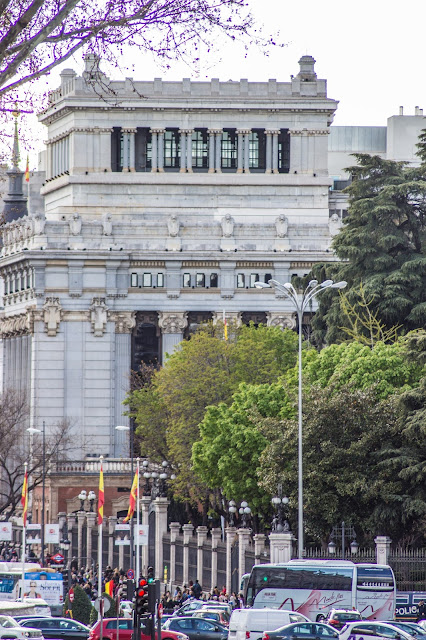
(409, 566)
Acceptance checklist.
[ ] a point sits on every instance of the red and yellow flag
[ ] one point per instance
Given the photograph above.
(132, 498)
(101, 497)
(24, 499)
(27, 170)
(225, 327)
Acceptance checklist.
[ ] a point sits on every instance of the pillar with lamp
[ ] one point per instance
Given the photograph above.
(300, 302)
(280, 523)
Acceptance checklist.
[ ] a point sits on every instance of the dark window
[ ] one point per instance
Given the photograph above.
(147, 280)
(257, 149)
(283, 151)
(241, 280)
(200, 149)
(371, 579)
(143, 149)
(160, 279)
(254, 277)
(183, 624)
(200, 280)
(229, 149)
(186, 282)
(171, 148)
(116, 149)
(213, 280)
(134, 280)
(268, 276)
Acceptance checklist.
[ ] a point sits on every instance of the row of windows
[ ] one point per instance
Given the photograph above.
(199, 148)
(197, 280)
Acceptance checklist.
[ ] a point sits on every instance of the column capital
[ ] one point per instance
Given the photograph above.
(129, 130)
(216, 536)
(243, 131)
(91, 519)
(282, 320)
(214, 131)
(188, 530)
(272, 131)
(157, 130)
(174, 530)
(173, 322)
(201, 535)
(81, 516)
(243, 533)
(185, 130)
(161, 504)
(230, 531)
(125, 321)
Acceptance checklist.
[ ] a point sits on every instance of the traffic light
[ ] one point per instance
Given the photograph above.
(142, 597)
(150, 574)
(127, 590)
(154, 595)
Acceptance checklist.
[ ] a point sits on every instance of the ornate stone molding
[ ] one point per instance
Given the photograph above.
(283, 320)
(174, 322)
(98, 316)
(52, 316)
(125, 321)
(18, 325)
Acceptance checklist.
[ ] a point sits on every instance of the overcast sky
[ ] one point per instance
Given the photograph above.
(371, 52)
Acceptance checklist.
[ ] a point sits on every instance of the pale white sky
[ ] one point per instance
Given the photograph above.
(371, 52)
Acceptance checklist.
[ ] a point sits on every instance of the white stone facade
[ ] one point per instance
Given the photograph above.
(164, 202)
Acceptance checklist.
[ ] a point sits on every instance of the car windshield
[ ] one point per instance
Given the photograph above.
(346, 616)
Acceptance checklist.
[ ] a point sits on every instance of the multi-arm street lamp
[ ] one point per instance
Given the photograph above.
(279, 502)
(156, 482)
(344, 531)
(83, 496)
(300, 302)
(124, 427)
(245, 513)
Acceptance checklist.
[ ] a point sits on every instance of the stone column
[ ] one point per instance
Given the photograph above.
(104, 160)
(160, 154)
(124, 323)
(174, 532)
(183, 136)
(259, 546)
(160, 508)
(281, 545)
(275, 151)
(71, 526)
(247, 151)
(145, 503)
(216, 535)
(91, 523)
(218, 151)
(187, 535)
(383, 544)
(112, 521)
(201, 538)
(268, 151)
(240, 150)
(189, 150)
(131, 134)
(212, 136)
(230, 535)
(49, 153)
(243, 542)
(172, 325)
(154, 155)
(81, 516)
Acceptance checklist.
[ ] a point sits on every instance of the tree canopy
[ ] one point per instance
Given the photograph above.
(381, 246)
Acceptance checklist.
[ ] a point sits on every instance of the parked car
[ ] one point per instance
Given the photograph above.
(337, 618)
(189, 607)
(302, 631)
(217, 615)
(410, 627)
(220, 606)
(197, 628)
(58, 628)
(249, 624)
(10, 628)
(125, 631)
(369, 629)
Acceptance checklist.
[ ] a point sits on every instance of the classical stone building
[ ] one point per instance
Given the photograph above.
(163, 203)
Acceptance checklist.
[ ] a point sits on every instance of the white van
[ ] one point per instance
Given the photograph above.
(249, 624)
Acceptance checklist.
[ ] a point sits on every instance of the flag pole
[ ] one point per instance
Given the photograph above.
(137, 526)
(100, 522)
(24, 502)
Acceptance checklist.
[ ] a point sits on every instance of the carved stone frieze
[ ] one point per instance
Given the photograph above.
(52, 316)
(18, 325)
(283, 320)
(172, 322)
(125, 321)
(98, 316)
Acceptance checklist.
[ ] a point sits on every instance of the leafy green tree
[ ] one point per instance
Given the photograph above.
(381, 245)
(205, 371)
(342, 435)
(80, 606)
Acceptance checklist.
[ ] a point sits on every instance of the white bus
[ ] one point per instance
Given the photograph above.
(39, 584)
(313, 587)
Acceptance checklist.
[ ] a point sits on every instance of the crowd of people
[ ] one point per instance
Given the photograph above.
(194, 590)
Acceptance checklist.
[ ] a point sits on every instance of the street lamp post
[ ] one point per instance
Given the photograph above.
(280, 523)
(32, 431)
(244, 512)
(300, 303)
(345, 531)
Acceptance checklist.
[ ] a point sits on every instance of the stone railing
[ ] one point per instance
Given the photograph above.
(110, 465)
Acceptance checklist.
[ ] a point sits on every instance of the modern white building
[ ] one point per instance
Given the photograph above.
(163, 203)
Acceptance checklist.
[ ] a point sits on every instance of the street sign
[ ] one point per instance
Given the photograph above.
(71, 595)
(58, 558)
(106, 604)
(143, 530)
(160, 610)
(130, 574)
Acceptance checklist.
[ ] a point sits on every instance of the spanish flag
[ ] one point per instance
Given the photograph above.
(27, 170)
(133, 497)
(24, 498)
(101, 497)
(225, 326)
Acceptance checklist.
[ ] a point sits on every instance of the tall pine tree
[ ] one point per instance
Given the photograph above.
(382, 245)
